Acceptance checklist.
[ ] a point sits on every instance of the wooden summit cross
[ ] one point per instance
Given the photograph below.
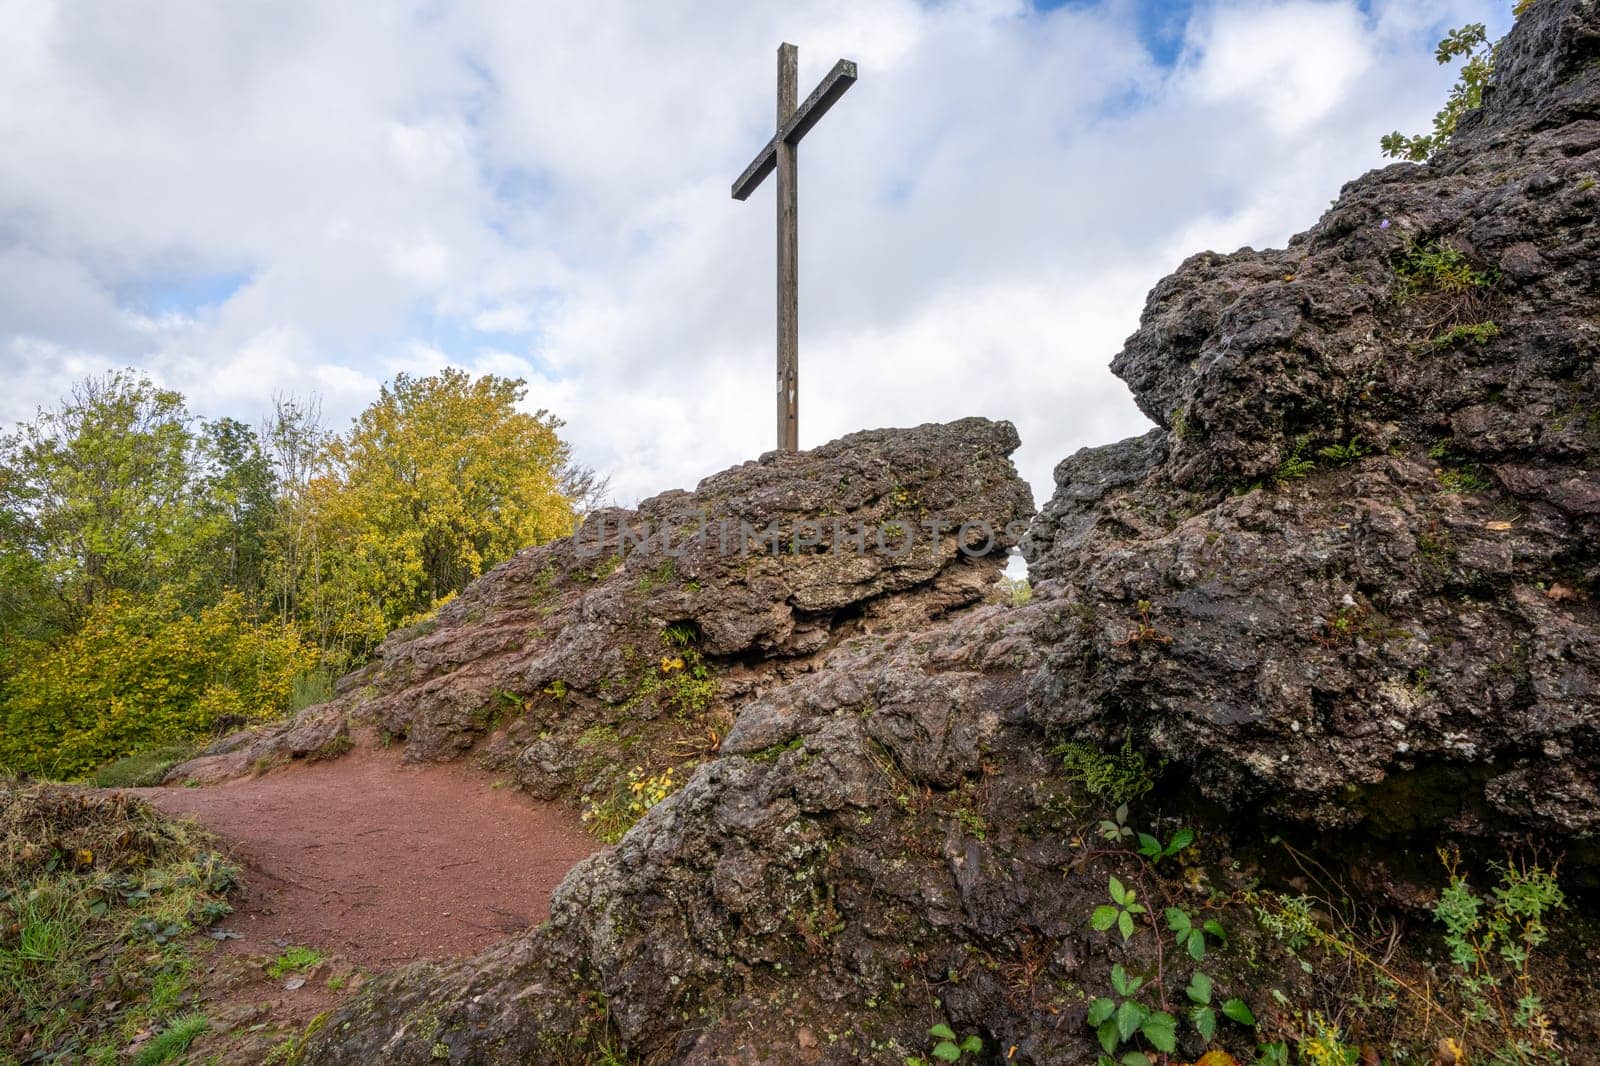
(780, 152)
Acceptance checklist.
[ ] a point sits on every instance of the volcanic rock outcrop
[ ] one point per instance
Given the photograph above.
(1358, 559)
(648, 625)
(1349, 581)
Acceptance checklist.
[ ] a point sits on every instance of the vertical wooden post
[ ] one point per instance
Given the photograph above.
(788, 258)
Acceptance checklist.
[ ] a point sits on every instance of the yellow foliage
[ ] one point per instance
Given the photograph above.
(140, 674)
(438, 480)
(1216, 1058)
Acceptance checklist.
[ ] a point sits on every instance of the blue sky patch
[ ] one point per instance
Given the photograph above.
(1161, 23)
(181, 293)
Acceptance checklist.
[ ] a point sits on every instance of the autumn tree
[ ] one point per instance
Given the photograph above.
(439, 479)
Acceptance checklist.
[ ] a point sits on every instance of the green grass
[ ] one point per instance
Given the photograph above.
(311, 688)
(172, 1041)
(142, 769)
(98, 890)
(293, 960)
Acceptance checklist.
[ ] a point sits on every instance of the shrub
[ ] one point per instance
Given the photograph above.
(139, 675)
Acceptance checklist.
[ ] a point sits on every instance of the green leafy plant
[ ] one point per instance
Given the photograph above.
(1471, 42)
(1117, 1021)
(1191, 935)
(1116, 828)
(1203, 1015)
(1114, 777)
(1469, 333)
(1152, 848)
(1138, 1011)
(1120, 912)
(1492, 942)
(949, 1047)
(1295, 466)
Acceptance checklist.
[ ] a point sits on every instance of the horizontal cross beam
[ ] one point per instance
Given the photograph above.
(808, 114)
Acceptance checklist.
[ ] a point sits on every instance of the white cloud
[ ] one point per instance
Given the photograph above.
(541, 189)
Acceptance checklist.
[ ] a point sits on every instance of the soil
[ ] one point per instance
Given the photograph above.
(381, 861)
(372, 862)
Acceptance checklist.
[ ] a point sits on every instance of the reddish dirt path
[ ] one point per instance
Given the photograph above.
(383, 862)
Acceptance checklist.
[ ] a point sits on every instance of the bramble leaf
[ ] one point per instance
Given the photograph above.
(1130, 1016)
(1161, 1029)
(1239, 1011)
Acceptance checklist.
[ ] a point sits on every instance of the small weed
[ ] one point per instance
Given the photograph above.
(1437, 267)
(1463, 481)
(1344, 454)
(1143, 631)
(293, 960)
(948, 1046)
(142, 769)
(771, 752)
(610, 819)
(1471, 333)
(1115, 778)
(266, 763)
(660, 577)
(332, 748)
(1295, 465)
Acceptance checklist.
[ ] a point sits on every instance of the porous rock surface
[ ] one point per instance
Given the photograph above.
(558, 662)
(1404, 634)
(1348, 582)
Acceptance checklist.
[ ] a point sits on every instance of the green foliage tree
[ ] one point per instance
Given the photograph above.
(439, 479)
(1472, 42)
(236, 496)
(97, 490)
(141, 673)
(157, 573)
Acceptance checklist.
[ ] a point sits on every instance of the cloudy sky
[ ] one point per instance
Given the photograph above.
(245, 199)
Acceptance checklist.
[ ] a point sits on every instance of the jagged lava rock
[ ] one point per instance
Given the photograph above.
(1405, 634)
(566, 641)
(882, 838)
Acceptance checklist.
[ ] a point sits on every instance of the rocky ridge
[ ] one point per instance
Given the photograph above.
(1347, 582)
